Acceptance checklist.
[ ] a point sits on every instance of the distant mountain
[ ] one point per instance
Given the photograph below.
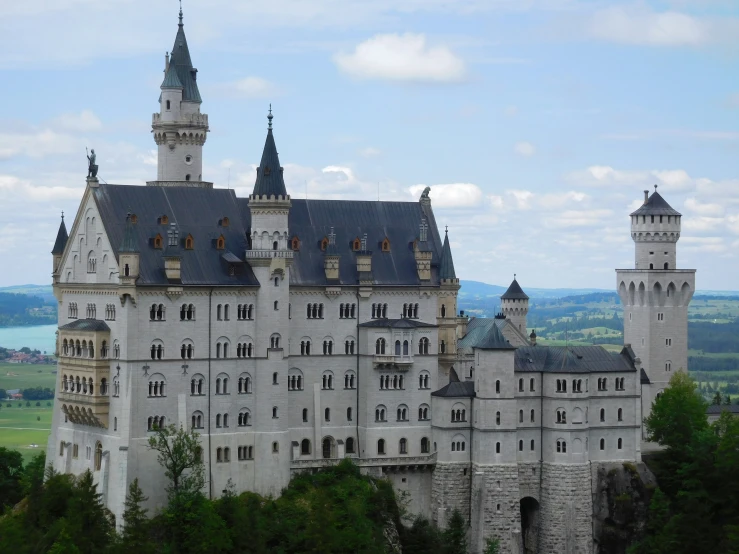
(478, 289)
(42, 291)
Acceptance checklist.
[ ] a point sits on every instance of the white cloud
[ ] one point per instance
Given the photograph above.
(606, 176)
(82, 122)
(693, 205)
(38, 144)
(578, 218)
(369, 152)
(453, 195)
(402, 58)
(522, 198)
(525, 149)
(247, 87)
(644, 27)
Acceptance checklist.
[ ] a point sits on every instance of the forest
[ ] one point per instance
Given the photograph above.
(22, 309)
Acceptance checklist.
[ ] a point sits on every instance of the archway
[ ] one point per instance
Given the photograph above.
(328, 447)
(530, 525)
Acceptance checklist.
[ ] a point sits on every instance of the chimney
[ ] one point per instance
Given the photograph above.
(331, 258)
(166, 62)
(364, 264)
(646, 196)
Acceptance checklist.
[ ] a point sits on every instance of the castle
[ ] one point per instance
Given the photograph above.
(293, 333)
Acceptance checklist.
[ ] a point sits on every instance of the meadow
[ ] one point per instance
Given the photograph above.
(25, 429)
(24, 376)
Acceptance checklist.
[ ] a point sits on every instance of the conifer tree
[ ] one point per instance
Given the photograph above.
(455, 535)
(135, 536)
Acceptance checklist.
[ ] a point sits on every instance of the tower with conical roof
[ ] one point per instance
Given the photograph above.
(58, 251)
(447, 316)
(655, 296)
(179, 128)
(514, 304)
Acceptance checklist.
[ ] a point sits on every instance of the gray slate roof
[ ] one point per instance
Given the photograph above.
(130, 242)
(493, 340)
(180, 58)
(171, 80)
(61, 239)
(644, 378)
(446, 265)
(402, 323)
(85, 325)
(269, 173)
(197, 211)
(714, 409)
(456, 388)
(514, 292)
(656, 205)
(572, 359)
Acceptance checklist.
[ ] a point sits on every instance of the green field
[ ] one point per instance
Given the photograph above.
(22, 427)
(24, 376)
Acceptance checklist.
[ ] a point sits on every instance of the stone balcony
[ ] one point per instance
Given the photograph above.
(192, 120)
(388, 361)
(84, 408)
(387, 463)
(267, 254)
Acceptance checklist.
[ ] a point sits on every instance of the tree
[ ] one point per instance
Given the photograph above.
(455, 535)
(727, 400)
(492, 546)
(90, 524)
(180, 454)
(677, 414)
(717, 398)
(11, 472)
(135, 536)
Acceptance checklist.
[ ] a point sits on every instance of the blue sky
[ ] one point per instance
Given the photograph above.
(536, 123)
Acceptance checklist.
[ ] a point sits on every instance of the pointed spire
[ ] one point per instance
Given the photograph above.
(180, 60)
(61, 238)
(129, 244)
(181, 24)
(446, 265)
(171, 79)
(269, 173)
(514, 292)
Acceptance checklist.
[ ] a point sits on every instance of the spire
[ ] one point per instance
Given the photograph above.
(61, 238)
(654, 204)
(171, 79)
(129, 244)
(269, 173)
(446, 265)
(180, 60)
(181, 13)
(514, 292)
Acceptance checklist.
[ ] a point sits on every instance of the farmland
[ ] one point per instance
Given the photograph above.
(22, 427)
(24, 376)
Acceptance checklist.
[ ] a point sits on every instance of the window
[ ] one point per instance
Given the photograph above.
(660, 316)
(328, 347)
(158, 241)
(386, 245)
(381, 447)
(442, 347)
(196, 385)
(305, 415)
(497, 448)
(244, 419)
(348, 346)
(424, 445)
(187, 312)
(668, 366)
(602, 414)
(169, 104)
(380, 413)
(497, 418)
(620, 414)
(98, 456)
(562, 446)
(380, 347)
(497, 387)
(621, 441)
(157, 350)
(274, 412)
(276, 305)
(189, 242)
(423, 412)
(157, 312)
(275, 447)
(423, 346)
(402, 413)
(423, 381)
(327, 381)
(275, 375)
(668, 342)
(602, 444)
(603, 384)
(274, 341)
(347, 311)
(221, 242)
(305, 447)
(348, 414)
(520, 416)
(533, 416)
(520, 446)
(327, 414)
(533, 445)
(403, 446)
(520, 385)
(350, 445)
(561, 416)
(110, 312)
(356, 245)
(305, 347)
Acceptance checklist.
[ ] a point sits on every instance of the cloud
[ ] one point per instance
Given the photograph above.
(525, 149)
(578, 218)
(693, 205)
(643, 27)
(83, 122)
(38, 144)
(369, 152)
(453, 195)
(247, 87)
(402, 58)
(606, 176)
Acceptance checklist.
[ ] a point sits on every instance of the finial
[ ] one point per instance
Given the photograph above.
(62, 215)
(446, 230)
(332, 237)
(270, 116)
(514, 276)
(655, 188)
(180, 12)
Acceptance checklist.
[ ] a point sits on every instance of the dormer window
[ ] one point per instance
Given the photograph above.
(295, 243)
(224, 222)
(158, 242)
(356, 245)
(267, 171)
(386, 245)
(189, 242)
(324, 244)
(221, 243)
(134, 218)
(163, 220)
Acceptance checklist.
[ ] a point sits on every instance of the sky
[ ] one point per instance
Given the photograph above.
(536, 123)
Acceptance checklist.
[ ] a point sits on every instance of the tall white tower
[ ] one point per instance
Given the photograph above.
(655, 296)
(179, 128)
(514, 303)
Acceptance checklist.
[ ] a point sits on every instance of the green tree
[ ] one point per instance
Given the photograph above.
(11, 473)
(421, 537)
(492, 546)
(717, 398)
(90, 524)
(64, 543)
(677, 414)
(454, 536)
(135, 536)
(727, 400)
(180, 454)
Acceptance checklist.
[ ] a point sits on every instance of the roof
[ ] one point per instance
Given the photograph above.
(572, 359)
(717, 409)
(456, 388)
(129, 243)
(85, 325)
(269, 173)
(312, 220)
(514, 292)
(186, 74)
(477, 329)
(493, 340)
(446, 265)
(402, 323)
(196, 211)
(656, 205)
(171, 80)
(644, 378)
(61, 239)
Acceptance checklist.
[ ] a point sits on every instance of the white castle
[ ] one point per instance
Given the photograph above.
(293, 333)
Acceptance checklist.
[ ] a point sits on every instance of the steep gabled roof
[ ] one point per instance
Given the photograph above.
(182, 63)
(171, 79)
(514, 292)
(446, 265)
(61, 239)
(656, 205)
(493, 340)
(269, 173)
(456, 388)
(572, 359)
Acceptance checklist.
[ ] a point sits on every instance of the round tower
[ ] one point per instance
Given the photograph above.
(514, 304)
(655, 228)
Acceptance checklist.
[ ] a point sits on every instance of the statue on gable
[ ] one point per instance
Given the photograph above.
(92, 168)
(425, 193)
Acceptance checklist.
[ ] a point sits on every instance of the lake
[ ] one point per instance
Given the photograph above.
(37, 337)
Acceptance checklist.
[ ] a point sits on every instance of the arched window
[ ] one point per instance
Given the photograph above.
(305, 415)
(520, 385)
(348, 414)
(403, 446)
(602, 414)
(497, 418)
(621, 441)
(602, 444)
(380, 347)
(397, 348)
(520, 416)
(497, 387)
(327, 414)
(424, 445)
(497, 448)
(244, 419)
(443, 310)
(405, 348)
(520, 445)
(620, 414)
(274, 412)
(350, 445)
(381, 447)
(305, 447)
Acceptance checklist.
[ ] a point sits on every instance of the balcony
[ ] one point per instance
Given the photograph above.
(266, 254)
(385, 361)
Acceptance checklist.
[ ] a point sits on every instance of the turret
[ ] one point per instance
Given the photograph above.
(655, 228)
(514, 304)
(447, 316)
(179, 129)
(58, 251)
